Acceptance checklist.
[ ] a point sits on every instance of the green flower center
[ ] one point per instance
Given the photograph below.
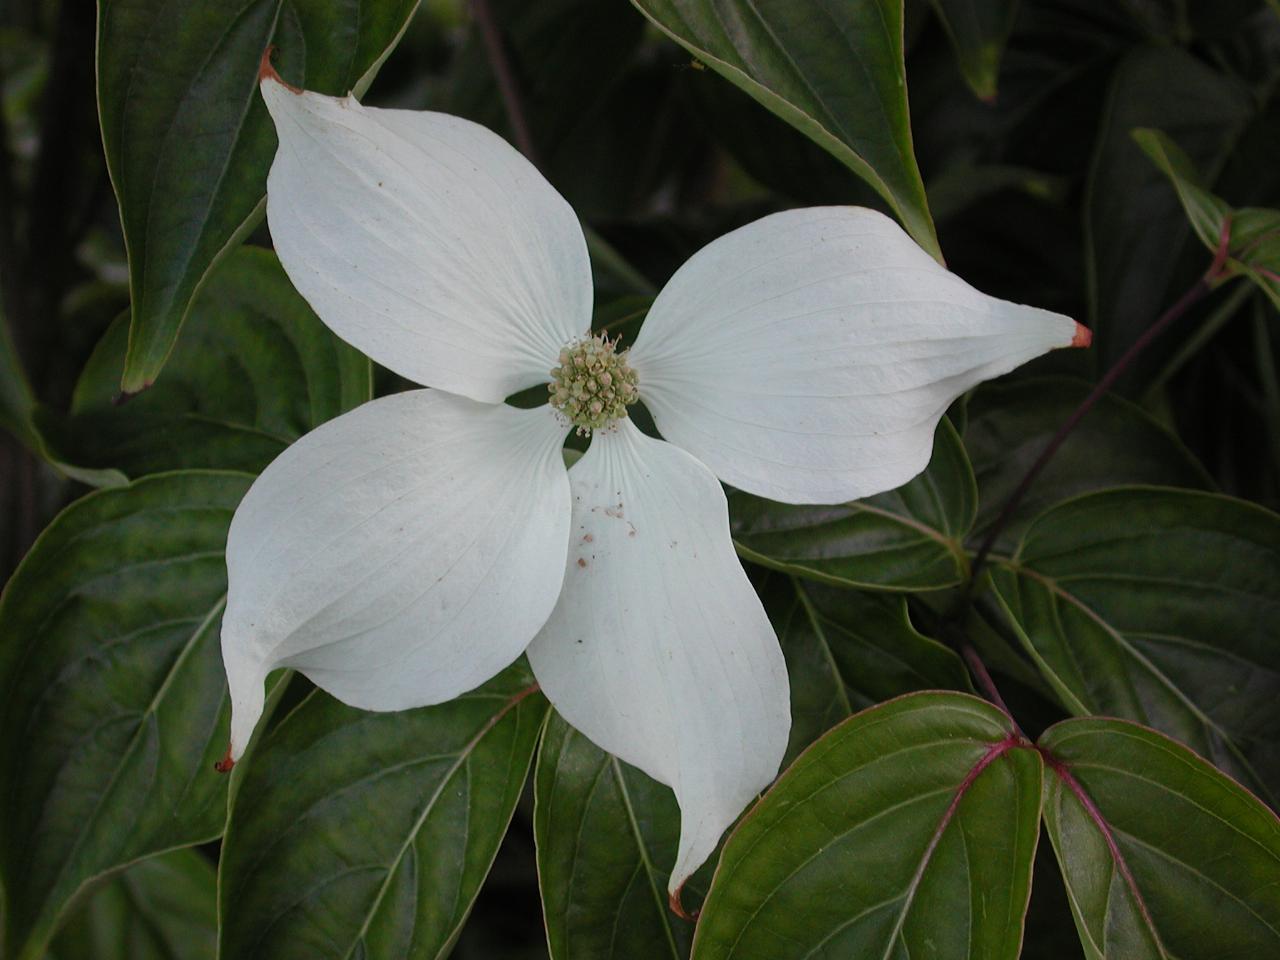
(593, 384)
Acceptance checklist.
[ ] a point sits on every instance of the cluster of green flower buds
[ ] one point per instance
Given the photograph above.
(593, 385)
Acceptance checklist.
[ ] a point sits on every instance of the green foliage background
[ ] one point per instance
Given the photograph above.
(1093, 157)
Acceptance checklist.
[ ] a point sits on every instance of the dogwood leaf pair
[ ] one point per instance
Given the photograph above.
(406, 552)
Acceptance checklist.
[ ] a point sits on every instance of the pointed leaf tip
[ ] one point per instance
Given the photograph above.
(1083, 337)
(267, 71)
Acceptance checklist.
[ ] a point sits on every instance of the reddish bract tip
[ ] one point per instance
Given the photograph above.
(678, 908)
(1083, 337)
(266, 71)
(226, 763)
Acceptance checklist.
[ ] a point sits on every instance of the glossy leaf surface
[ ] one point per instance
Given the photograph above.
(188, 140)
(606, 837)
(847, 650)
(112, 696)
(905, 539)
(869, 844)
(1163, 856)
(833, 71)
(254, 370)
(1159, 606)
(607, 833)
(164, 908)
(1252, 234)
(369, 834)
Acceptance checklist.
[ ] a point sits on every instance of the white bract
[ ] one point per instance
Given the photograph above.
(404, 553)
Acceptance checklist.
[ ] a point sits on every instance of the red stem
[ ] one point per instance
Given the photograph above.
(1197, 291)
(986, 682)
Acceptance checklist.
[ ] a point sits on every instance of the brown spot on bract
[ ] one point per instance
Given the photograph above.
(587, 538)
(582, 561)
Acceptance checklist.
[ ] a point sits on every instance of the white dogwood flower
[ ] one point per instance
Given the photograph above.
(408, 551)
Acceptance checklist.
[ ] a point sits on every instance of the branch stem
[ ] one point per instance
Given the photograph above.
(1194, 294)
(982, 675)
(1218, 270)
(508, 88)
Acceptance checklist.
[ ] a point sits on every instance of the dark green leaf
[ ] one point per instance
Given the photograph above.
(906, 539)
(22, 416)
(1009, 424)
(1050, 932)
(188, 140)
(1159, 606)
(909, 830)
(978, 30)
(606, 836)
(1253, 234)
(369, 834)
(848, 650)
(255, 369)
(772, 152)
(1134, 225)
(164, 908)
(112, 696)
(607, 833)
(833, 71)
(1255, 248)
(1163, 856)
(1205, 211)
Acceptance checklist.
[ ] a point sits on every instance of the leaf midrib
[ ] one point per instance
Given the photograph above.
(650, 872)
(996, 751)
(128, 752)
(865, 168)
(1142, 660)
(828, 654)
(463, 756)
